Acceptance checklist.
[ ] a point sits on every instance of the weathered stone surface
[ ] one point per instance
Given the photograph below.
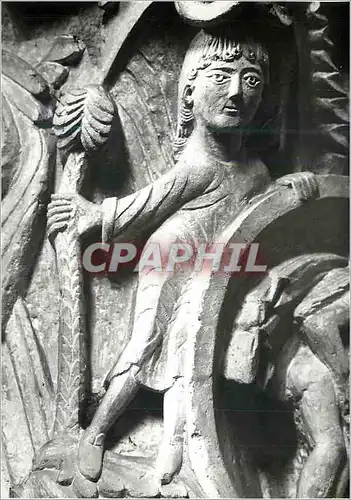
(29, 174)
(55, 74)
(189, 381)
(66, 49)
(25, 75)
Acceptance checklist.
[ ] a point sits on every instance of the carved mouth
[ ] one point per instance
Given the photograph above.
(231, 110)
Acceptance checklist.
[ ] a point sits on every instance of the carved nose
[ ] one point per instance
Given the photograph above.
(234, 87)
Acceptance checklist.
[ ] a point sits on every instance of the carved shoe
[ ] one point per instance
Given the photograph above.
(90, 455)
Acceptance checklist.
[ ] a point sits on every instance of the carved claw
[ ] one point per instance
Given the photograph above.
(59, 454)
(66, 473)
(304, 184)
(277, 286)
(55, 453)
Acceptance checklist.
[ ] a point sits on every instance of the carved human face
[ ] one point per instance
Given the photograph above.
(226, 95)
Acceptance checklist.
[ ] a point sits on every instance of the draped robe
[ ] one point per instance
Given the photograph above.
(193, 202)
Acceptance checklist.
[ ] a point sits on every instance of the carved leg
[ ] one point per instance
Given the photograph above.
(121, 391)
(323, 466)
(322, 334)
(320, 415)
(170, 456)
(145, 337)
(146, 334)
(123, 386)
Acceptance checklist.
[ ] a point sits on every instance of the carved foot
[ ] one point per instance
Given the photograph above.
(169, 461)
(84, 488)
(90, 455)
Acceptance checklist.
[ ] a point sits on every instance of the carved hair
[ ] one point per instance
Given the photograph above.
(205, 49)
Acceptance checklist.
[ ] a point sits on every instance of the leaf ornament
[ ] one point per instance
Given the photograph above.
(83, 118)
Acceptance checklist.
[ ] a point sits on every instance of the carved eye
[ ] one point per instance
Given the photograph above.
(252, 80)
(219, 77)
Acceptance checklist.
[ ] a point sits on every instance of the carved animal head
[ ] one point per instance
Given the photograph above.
(254, 321)
(221, 84)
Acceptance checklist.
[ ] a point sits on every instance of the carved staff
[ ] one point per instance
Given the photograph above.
(82, 124)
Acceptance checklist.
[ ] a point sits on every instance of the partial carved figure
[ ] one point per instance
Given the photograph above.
(27, 170)
(305, 362)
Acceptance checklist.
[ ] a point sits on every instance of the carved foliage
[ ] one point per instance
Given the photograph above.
(29, 161)
(85, 114)
(330, 101)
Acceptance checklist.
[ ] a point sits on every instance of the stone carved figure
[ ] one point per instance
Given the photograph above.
(215, 177)
(279, 326)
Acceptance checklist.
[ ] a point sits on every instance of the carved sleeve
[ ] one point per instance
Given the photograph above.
(149, 207)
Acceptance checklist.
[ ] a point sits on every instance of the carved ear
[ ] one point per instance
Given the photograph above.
(188, 95)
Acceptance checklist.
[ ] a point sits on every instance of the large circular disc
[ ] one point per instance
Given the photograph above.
(285, 227)
(201, 13)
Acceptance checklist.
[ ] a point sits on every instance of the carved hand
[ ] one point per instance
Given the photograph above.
(304, 184)
(66, 208)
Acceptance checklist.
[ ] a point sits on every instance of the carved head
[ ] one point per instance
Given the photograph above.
(221, 84)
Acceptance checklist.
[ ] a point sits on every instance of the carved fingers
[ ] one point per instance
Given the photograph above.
(60, 212)
(72, 208)
(304, 184)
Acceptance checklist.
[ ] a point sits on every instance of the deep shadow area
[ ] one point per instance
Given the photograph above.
(33, 13)
(258, 423)
(146, 403)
